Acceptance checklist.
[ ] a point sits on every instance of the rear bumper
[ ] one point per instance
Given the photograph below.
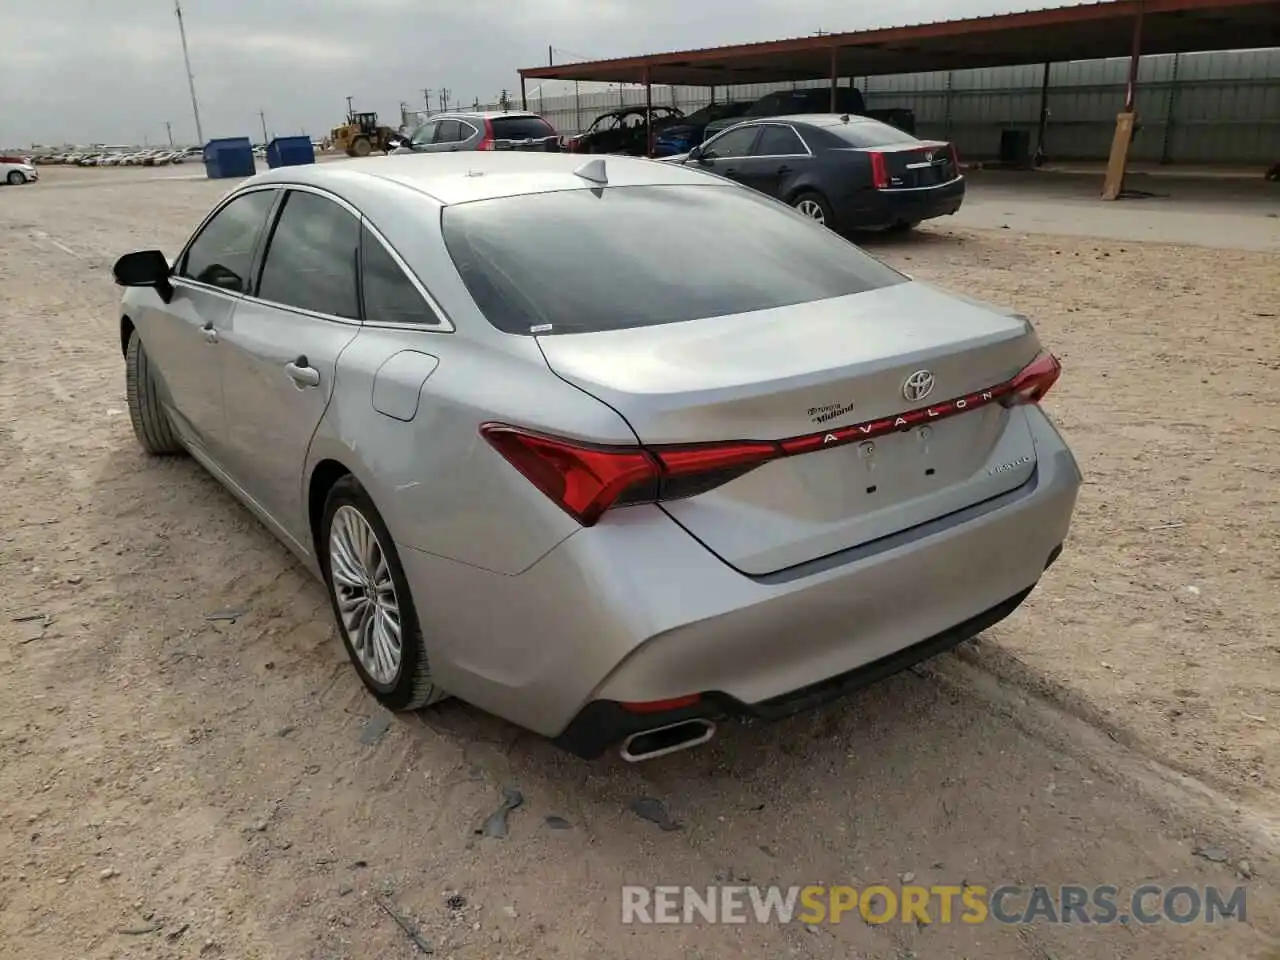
(877, 209)
(636, 610)
(605, 723)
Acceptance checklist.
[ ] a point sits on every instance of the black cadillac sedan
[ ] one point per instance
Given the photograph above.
(848, 172)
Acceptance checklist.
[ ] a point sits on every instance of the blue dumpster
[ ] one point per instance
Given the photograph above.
(229, 157)
(290, 152)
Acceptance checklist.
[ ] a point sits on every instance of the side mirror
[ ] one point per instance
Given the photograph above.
(145, 268)
(695, 155)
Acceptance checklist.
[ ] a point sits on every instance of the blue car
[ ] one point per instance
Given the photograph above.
(683, 136)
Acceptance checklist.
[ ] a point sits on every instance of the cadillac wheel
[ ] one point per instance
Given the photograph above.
(372, 603)
(814, 206)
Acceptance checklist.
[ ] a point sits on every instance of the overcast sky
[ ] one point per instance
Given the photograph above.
(111, 71)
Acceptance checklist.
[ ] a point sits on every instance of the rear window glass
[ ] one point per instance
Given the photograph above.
(521, 128)
(870, 133)
(591, 260)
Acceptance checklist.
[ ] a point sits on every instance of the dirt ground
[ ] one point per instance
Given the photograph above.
(180, 786)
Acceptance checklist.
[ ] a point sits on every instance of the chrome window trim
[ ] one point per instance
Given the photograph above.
(728, 130)
(195, 234)
(439, 120)
(808, 151)
(413, 137)
(443, 324)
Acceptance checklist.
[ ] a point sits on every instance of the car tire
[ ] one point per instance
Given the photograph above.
(16, 178)
(814, 206)
(151, 424)
(350, 518)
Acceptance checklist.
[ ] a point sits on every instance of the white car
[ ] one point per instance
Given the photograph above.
(16, 171)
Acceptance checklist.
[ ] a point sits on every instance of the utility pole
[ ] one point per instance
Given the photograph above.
(168, 128)
(350, 109)
(262, 115)
(191, 80)
(426, 97)
(444, 98)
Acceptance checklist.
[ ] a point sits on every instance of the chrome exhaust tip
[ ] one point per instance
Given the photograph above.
(660, 741)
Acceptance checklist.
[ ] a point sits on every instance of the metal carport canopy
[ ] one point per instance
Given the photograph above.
(1086, 32)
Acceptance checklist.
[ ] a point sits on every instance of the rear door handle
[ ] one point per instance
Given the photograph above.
(730, 171)
(783, 170)
(210, 334)
(302, 373)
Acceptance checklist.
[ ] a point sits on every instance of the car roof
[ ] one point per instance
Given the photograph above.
(482, 115)
(815, 119)
(462, 177)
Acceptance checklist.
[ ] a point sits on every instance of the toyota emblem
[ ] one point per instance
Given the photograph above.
(918, 386)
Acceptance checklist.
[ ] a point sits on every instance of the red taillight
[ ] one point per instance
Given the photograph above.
(879, 171)
(1033, 381)
(486, 142)
(586, 479)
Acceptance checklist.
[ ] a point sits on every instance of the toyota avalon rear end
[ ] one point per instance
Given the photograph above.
(834, 471)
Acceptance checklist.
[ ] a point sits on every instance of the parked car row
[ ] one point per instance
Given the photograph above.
(137, 158)
(626, 130)
(849, 171)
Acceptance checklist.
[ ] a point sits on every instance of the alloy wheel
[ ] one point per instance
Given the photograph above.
(811, 209)
(366, 594)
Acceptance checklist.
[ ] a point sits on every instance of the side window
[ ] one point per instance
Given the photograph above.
(735, 143)
(778, 141)
(448, 131)
(389, 295)
(424, 134)
(222, 254)
(311, 259)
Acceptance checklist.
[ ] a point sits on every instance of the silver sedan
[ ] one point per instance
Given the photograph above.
(612, 449)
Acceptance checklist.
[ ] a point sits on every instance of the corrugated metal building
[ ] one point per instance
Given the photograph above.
(1192, 108)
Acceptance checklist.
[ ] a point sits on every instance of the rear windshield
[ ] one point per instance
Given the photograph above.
(589, 260)
(521, 128)
(870, 133)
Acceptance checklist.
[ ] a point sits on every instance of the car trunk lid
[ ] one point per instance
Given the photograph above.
(810, 374)
(925, 164)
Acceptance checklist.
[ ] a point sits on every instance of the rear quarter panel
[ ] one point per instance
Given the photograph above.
(440, 487)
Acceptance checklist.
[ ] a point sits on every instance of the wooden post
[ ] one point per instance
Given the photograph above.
(1113, 185)
(1114, 182)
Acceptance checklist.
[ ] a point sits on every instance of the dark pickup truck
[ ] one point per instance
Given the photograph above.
(782, 103)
